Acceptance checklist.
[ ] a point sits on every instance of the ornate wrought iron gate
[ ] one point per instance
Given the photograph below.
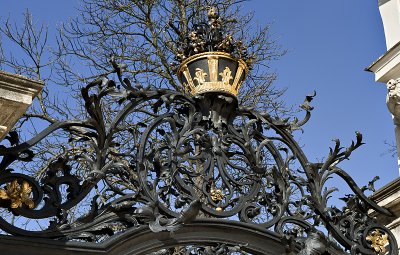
(184, 173)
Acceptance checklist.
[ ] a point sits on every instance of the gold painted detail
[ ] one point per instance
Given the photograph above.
(213, 17)
(239, 72)
(379, 241)
(18, 194)
(187, 86)
(210, 80)
(179, 250)
(217, 195)
(213, 67)
(200, 76)
(226, 76)
(201, 85)
(197, 43)
(212, 54)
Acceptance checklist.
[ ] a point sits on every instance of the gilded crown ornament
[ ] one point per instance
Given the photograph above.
(211, 60)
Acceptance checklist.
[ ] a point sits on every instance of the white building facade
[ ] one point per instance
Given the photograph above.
(387, 71)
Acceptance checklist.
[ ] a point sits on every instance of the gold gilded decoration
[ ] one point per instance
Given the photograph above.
(196, 43)
(193, 36)
(213, 18)
(200, 76)
(209, 38)
(379, 241)
(237, 82)
(179, 250)
(216, 194)
(187, 86)
(212, 11)
(213, 68)
(226, 76)
(219, 209)
(228, 81)
(18, 194)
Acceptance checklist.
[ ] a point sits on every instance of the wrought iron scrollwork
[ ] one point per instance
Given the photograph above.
(165, 159)
(220, 249)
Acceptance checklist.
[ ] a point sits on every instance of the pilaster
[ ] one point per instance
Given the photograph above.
(16, 95)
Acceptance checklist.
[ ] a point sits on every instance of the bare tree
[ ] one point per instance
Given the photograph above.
(391, 149)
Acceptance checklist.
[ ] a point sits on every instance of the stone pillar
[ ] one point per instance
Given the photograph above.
(16, 95)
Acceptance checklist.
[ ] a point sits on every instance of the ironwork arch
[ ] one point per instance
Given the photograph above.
(205, 236)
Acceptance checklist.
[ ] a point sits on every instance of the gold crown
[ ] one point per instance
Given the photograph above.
(212, 72)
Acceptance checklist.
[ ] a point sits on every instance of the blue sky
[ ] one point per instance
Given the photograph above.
(329, 44)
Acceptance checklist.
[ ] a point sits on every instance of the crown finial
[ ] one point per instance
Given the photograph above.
(210, 59)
